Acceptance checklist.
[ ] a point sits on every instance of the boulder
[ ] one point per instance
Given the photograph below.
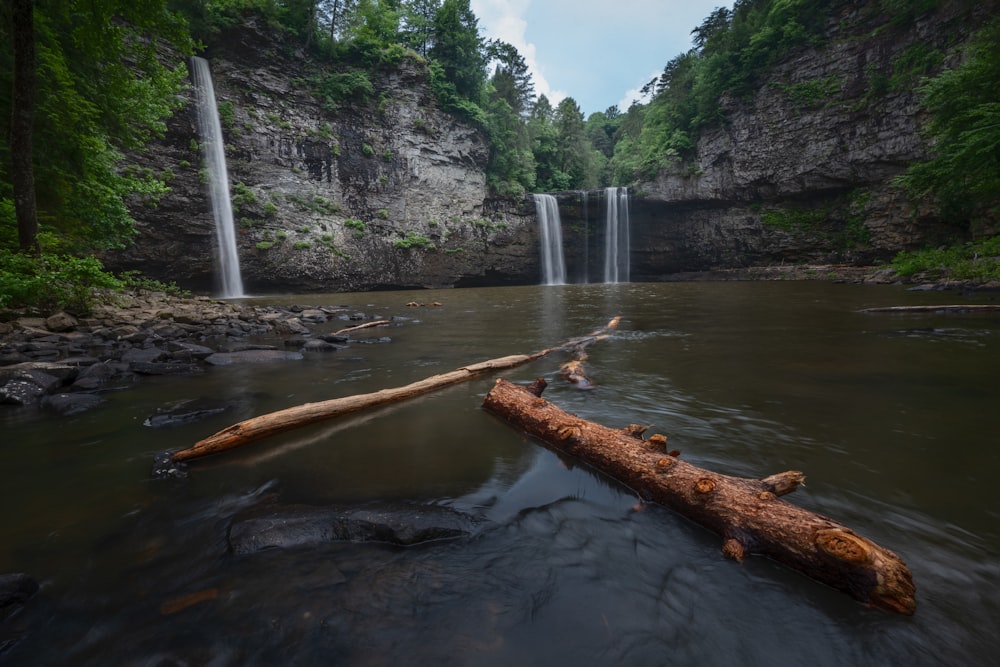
(61, 321)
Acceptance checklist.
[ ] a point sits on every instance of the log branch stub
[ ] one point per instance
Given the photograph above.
(784, 482)
(658, 440)
(747, 513)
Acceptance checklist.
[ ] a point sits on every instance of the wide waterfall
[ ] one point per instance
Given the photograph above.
(616, 236)
(218, 178)
(553, 264)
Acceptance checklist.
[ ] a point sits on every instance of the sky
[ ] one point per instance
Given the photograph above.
(599, 52)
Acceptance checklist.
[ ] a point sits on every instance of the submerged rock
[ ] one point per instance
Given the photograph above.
(251, 357)
(298, 525)
(15, 590)
(186, 412)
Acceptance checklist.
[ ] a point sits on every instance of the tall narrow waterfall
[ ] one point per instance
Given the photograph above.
(549, 225)
(218, 178)
(616, 243)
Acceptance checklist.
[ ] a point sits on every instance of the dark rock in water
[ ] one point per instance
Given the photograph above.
(251, 357)
(143, 355)
(189, 349)
(335, 338)
(320, 346)
(164, 368)
(164, 467)
(186, 412)
(15, 591)
(71, 404)
(296, 526)
(374, 341)
(25, 387)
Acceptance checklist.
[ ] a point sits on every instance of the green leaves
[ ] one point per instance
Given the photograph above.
(964, 103)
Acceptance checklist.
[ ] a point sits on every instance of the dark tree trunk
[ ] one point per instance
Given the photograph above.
(22, 121)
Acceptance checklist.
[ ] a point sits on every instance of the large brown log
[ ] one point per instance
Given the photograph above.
(747, 513)
(263, 426)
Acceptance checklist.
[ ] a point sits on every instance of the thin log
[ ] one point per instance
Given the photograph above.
(263, 426)
(746, 513)
(953, 308)
(366, 325)
(574, 370)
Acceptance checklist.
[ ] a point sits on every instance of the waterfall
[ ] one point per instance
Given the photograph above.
(616, 243)
(553, 265)
(218, 178)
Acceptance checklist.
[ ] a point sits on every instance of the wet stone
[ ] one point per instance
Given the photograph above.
(185, 412)
(67, 404)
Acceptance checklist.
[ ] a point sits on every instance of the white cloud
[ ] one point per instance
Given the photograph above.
(504, 20)
(634, 94)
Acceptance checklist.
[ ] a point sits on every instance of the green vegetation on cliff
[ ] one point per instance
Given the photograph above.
(81, 84)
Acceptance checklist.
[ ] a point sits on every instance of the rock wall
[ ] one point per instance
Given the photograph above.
(386, 193)
(802, 170)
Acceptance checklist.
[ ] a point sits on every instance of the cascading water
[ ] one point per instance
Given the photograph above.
(218, 178)
(553, 264)
(616, 236)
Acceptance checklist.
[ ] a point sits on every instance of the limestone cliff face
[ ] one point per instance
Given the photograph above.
(383, 193)
(801, 171)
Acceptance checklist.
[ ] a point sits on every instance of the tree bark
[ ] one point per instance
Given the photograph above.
(22, 124)
(257, 428)
(746, 513)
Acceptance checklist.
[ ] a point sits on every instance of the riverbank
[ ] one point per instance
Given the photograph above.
(65, 363)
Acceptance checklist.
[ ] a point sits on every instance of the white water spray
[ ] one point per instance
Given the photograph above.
(218, 177)
(549, 225)
(616, 236)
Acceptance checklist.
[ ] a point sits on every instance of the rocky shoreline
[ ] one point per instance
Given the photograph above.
(64, 363)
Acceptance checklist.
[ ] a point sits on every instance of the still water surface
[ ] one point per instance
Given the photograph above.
(892, 418)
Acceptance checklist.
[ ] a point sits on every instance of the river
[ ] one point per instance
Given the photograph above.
(891, 417)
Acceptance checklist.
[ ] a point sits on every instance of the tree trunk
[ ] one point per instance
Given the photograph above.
(22, 123)
(747, 513)
(257, 428)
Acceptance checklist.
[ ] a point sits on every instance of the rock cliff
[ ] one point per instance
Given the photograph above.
(801, 171)
(391, 193)
(385, 193)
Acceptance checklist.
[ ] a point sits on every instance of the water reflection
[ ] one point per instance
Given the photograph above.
(892, 429)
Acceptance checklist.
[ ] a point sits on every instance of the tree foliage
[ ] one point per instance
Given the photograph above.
(101, 89)
(964, 128)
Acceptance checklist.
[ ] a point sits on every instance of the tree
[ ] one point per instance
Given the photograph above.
(458, 48)
(964, 104)
(100, 88)
(511, 78)
(574, 148)
(418, 24)
(22, 122)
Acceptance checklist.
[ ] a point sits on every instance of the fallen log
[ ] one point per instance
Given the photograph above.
(951, 308)
(359, 327)
(263, 426)
(746, 513)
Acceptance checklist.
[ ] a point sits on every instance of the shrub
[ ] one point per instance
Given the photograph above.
(413, 240)
(50, 282)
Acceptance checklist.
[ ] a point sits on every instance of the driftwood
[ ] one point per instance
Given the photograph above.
(366, 325)
(948, 308)
(747, 513)
(263, 426)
